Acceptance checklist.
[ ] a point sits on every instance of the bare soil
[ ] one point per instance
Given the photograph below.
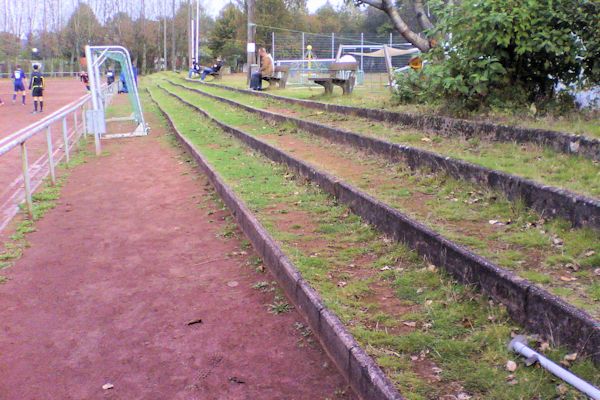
(115, 274)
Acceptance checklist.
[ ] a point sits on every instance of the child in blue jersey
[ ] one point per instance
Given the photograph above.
(19, 85)
(36, 85)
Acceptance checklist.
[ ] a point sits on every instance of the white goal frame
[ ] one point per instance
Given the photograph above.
(96, 56)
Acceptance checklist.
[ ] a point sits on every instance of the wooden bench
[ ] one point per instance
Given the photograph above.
(216, 75)
(346, 82)
(280, 76)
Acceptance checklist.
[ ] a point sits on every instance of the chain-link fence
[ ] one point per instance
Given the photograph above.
(311, 53)
(50, 67)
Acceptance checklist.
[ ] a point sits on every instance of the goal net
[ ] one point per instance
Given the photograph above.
(102, 93)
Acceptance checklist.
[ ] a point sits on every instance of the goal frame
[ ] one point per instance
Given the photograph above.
(101, 94)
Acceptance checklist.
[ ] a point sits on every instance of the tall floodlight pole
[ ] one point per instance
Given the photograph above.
(173, 50)
(197, 48)
(190, 26)
(251, 45)
(165, 67)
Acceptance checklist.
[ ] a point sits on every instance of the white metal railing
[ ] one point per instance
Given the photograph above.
(21, 138)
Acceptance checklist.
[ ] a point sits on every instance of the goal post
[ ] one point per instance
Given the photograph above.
(96, 56)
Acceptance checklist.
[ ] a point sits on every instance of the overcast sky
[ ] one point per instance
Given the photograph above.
(214, 6)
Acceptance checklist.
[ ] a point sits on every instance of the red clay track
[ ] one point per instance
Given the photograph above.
(59, 92)
(112, 278)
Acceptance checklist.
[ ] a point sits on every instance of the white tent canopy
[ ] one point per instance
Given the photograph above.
(392, 52)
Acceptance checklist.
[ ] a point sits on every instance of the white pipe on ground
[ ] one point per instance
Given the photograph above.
(519, 345)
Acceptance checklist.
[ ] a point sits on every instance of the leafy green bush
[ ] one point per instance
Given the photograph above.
(513, 51)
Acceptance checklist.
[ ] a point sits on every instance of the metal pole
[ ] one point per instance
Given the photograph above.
(192, 39)
(519, 345)
(362, 51)
(50, 155)
(165, 43)
(302, 52)
(66, 139)
(273, 44)
(94, 88)
(84, 120)
(251, 45)
(190, 27)
(25, 165)
(197, 31)
(332, 45)
(391, 39)
(97, 142)
(76, 122)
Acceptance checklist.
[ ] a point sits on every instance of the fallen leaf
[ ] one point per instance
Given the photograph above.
(341, 284)
(463, 396)
(597, 272)
(107, 386)
(386, 268)
(431, 268)
(568, 278)
(590, 253)
(557, 241)
(562, 389)
(425, 139)
(544, 346)
(511, 366)
(412, 324)
(235, 379)
(570, 357)
(232, 283)
(195, 321)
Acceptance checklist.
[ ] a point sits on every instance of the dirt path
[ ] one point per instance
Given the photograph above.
(115, 273)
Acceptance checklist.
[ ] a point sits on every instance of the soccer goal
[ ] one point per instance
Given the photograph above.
(102, 93)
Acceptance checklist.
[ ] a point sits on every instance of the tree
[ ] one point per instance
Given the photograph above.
(228, 36)
(399, 22)
(82, 28)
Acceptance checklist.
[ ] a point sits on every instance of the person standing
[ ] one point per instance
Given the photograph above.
(36, 85)
(266, 69)
(18, 82)
(84, 77)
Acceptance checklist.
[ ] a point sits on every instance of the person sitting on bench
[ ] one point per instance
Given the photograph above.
(216, 67)
(266, 69)
(195, 68)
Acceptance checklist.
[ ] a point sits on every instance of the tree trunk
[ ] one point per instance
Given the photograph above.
(419, 42)
(422, 17)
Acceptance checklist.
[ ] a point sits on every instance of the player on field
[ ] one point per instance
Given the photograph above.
(19, 86)
(36, 85)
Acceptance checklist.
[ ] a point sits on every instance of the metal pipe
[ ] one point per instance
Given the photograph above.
(50, 156)
(26, 181)
(197, 48)
(519, 345)
(75, 122)
(362, 51)
(66, 139)
(15, 139)
(332, 45)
